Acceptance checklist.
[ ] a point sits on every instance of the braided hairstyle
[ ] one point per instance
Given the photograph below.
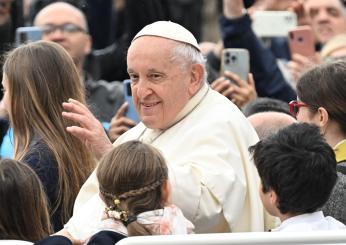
(133, 173)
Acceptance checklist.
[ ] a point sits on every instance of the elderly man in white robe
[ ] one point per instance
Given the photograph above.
(202, 135)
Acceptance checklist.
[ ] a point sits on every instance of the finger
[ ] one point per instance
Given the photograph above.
(228, 92)
(79, 132)
(121, 111)
(222, 86)
(78, 118)
(216, 82)
(76, 107)
(251, 81)
(235, 78)
(300, 59)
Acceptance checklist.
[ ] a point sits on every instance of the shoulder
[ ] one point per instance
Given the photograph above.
(106, 237)
(39, 153)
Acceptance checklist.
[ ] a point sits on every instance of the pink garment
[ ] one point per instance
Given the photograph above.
(167, 221)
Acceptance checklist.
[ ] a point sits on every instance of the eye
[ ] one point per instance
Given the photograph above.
(333, 12)
(313, 12)
(155, 76)
(133, 77)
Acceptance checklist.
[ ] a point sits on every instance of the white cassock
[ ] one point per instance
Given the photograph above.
(213, 180)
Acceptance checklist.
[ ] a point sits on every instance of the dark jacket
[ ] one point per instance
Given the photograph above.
(237, 33)
(335, 206)
(41, 159)
(100, 238)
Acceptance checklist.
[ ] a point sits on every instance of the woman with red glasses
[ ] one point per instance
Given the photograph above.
(322, 101)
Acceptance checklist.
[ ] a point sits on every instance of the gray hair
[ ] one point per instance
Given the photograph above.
(188, 55)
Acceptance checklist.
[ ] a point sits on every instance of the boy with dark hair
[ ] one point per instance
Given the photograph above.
(298, 172)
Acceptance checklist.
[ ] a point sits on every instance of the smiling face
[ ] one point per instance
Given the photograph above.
(160, 86)
(328, 18)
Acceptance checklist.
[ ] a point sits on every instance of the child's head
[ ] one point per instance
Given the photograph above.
(297, 170)
(23, 205)
(136, 174)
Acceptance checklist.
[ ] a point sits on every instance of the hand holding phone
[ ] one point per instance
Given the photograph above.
(301, 41)
(273, 23)
(236, 61)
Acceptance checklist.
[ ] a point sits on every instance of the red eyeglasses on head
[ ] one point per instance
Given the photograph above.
(295, 106)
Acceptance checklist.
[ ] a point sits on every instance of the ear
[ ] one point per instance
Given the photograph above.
(273, 198)
(322, 118)
(197, 73)
(166, 192)
(88, 44)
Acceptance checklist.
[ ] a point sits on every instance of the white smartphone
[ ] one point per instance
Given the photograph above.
(237, 61)
(273, 23)
(28, 34)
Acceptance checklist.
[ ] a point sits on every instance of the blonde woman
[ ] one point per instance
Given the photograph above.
(37, 78)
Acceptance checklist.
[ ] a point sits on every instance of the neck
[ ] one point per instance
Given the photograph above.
(333, 134)
(286, 216)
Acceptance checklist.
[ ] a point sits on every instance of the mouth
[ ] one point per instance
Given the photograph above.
(148, 105)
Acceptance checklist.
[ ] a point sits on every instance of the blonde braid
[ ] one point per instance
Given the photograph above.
(142, 190)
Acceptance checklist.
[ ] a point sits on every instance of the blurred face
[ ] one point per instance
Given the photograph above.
(65, 25)
(160, 87)
(328, 18)
(5, 102)
(5, 9)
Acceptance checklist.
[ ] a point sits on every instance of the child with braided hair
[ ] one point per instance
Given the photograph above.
(133, 183)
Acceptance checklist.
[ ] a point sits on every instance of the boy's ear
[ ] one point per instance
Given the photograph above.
(273, 198)
(166, 192)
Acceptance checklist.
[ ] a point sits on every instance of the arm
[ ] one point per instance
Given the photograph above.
(237, 33)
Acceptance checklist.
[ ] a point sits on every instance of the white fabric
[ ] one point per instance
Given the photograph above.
(213, 180)
(310, 222)
(14, 242)
(170, 30)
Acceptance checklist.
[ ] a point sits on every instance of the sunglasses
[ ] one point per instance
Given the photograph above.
(65, 28)
(295, 106)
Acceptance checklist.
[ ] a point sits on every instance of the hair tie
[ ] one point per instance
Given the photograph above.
(129, 220)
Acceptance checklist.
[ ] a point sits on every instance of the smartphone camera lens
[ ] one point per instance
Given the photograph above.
(300, 39)
(227, 61)
(233, 58)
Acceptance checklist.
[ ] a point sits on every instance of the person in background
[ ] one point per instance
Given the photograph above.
(266, 104)
(33, 99)
(23, 203)
(203, 136)
(327, 19)
(269, 122)
(325, 106)
(66, 25)
(297, 171)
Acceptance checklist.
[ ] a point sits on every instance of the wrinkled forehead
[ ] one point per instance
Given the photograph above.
(148, 45)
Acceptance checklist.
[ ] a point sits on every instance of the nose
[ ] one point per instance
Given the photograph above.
(322, 16)
(142, 89)
(55, 36)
